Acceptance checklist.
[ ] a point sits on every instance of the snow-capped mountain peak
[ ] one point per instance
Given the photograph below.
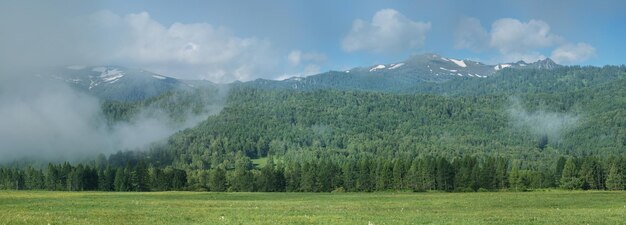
(378, 67)
(119, 83)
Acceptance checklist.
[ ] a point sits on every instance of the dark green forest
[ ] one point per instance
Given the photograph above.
(518, 130)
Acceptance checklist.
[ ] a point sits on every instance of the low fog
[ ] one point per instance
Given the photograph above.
(47, 119)
(44, 119)
(541, 123)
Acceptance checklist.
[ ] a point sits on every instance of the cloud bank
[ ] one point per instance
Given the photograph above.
(516, 40)
(389, 31)
(541, 122)
(51, 121)
(50, 34)
(573, 53)
(45, 118)
(192, 50)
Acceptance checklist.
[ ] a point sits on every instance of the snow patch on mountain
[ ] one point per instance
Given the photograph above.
(454, 71)
(111, 75)
(395, 66)
(379, 67)
(159, 77)
(295, 79)
(501, 66)
(460, 63)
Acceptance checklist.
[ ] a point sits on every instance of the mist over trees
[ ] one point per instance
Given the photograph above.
(571, 137)
(45, 119)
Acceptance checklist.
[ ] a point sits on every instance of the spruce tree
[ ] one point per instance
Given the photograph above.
(569, 177)
(217, 179)
(615, 179)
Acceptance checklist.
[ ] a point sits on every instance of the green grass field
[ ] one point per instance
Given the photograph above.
(546, 207)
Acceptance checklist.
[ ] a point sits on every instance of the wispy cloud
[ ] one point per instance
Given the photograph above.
(517, 40)
(296, 57)
(190, 50)
(573, 53)
(389, 31)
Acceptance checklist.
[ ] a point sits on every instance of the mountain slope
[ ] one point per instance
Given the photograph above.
(399, 77)
(120, 83)
(420, 73)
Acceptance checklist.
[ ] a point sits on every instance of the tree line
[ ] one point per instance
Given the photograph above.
(326, 174)
(81, 177)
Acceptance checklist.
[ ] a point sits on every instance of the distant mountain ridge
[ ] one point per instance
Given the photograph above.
(126, 84)
(121, 83)
(425, 68)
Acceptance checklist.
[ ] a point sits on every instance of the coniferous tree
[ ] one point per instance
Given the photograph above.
(121, 181)
(349, 175)
(307, 181)
(615, 179)
(501, 176)
(140, 180)
(217, 179)
(445, 175)
(569, 177)
(515, 177)
(293, 177)
(242, 179)
(591, 174)
(558, 171)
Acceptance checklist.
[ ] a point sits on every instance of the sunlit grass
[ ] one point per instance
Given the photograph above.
(550, 207)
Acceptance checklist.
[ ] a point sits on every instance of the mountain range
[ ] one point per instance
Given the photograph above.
(121, 83)
(126, 84)
(400, 76)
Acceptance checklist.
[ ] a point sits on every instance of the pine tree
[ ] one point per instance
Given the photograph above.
(569, 177)
(279, 177)
(398, 174)
(307, 181)
(140, 179)
(364, 178)
(293, 177)
(558, 171)
(120, 182)
(242, 179)
(427, 170)
(445, 175)
(591, 174)
(349, 175)
(217, 179)
(266, 180)
(615, 179)
(487, 175)
(514, 177)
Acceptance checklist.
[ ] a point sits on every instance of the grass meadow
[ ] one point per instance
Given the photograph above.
(539, 207)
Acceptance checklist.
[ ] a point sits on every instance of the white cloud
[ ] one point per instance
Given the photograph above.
(573, 53)
(197, 50)
(471, 35)
(513, 36)
(308, 70)
(516, 40)
(296, 57)
(526, 57)
(311, 69)
(303, 64)
(389, 31)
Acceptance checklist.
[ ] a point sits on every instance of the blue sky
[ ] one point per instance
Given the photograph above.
(224, 41)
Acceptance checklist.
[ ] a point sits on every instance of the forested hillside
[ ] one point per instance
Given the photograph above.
(518, 129)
